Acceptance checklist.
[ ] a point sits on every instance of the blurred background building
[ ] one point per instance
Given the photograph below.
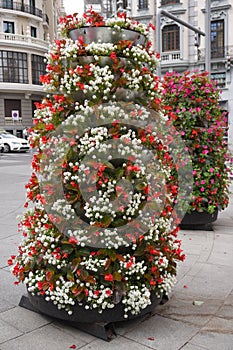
(26, 28)
(182, 49)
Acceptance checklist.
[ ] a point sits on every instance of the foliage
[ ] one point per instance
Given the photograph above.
(192, 102)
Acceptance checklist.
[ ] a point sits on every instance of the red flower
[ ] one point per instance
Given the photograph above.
(108, 277)
(73, 240)
(81, 40)
(113, 55)
(49, 127)
(154, 269)
(152, 26)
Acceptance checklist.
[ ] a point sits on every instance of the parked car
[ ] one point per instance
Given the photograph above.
(1, 146)
(13, 143)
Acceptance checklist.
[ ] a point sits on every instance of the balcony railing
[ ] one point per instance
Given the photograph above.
(219, 53)
(169, 2)
(11, 121)
(17, 6)
(26, 39)
(167, 57)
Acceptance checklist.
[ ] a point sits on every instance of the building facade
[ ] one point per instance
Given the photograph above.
(143, 10)
(26, 28)
(180, 47)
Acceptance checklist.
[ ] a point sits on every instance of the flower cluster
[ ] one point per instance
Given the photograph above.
(89, 70)
(192, 102)
(91, 18)
(103, 229)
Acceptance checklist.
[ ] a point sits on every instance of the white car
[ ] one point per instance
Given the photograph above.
(13, 143)
(1, 146)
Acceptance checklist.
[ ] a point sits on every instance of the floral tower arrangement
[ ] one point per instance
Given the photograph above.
(100, 232)
(192, 102)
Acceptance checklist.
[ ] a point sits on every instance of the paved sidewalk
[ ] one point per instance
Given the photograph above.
(198, 316)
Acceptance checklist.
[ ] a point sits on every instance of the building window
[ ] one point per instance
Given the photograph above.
(220, 78)
(38, 68)
(13, 67)
(217, 38)
(125, 4)
(32, 7)
(7, 4)
(32, 3)
(12, 105)
(169, 2)
(171, 38)
(34, 32)
(143, 4)
(8, 27)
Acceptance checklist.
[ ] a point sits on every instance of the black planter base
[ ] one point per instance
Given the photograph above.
(102, 330)
(89, 321)
(198, 221)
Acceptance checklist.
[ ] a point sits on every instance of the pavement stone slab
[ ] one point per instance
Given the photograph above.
(24, 320)
(220, 325)
(227, 230)
(64, 327)
(164, 331)
(8, 230)
(213, 341)
(9, 246)
(5, 305)
(7, 332)
(193, 347)
(8, 291)
(190, 266)
(44, 338)
(212, 282)
(185, 310)
(120, 343)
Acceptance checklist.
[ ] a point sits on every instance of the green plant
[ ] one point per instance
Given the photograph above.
(192, 103)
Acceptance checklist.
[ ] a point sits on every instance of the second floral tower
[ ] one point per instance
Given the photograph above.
(107, 180)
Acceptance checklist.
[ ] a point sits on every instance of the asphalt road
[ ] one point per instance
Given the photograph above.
(15, 158)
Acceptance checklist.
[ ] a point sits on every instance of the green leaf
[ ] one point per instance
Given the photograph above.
(70, 276)
(84, 252)
(75, 264)
(140, 186)
(140, 250)
(67, 248)
(106, 221)
(119, 173)
(109, 165)
(117, 276)
(108, 263)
